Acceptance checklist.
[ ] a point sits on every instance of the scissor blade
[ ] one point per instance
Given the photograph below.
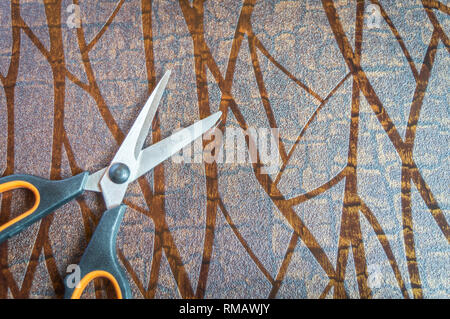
(157, 153)
(93, 181)
(152, 105)
(133, 142)
(129, 152)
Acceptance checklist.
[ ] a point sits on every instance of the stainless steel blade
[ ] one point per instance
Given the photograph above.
(154, 100)
(157, 153)
(128, 153)
(93, 182)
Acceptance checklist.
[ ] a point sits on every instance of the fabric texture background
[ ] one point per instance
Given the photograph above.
(359, 205)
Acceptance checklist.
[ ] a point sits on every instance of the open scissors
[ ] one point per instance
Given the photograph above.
(130, 162)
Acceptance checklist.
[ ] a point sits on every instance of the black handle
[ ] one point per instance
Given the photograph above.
(50, 194)
(100, 258)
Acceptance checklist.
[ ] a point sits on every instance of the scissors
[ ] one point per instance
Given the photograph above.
(129, 163)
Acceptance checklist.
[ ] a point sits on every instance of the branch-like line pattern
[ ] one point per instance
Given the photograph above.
(353, 205)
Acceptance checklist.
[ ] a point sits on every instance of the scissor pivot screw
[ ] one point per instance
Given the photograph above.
(119, 173)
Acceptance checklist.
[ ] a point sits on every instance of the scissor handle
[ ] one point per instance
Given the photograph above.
(100, 258)
(48, 196)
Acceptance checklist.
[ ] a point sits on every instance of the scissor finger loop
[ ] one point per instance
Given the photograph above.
(17, 184)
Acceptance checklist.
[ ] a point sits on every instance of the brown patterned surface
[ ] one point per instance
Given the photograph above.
(364, 143)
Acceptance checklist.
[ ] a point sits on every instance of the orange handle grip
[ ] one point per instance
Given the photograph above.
(100, 258)
(49, 195)
(91, 276)
(8, 186)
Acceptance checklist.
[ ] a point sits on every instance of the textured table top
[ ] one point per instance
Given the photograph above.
(359, 204)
